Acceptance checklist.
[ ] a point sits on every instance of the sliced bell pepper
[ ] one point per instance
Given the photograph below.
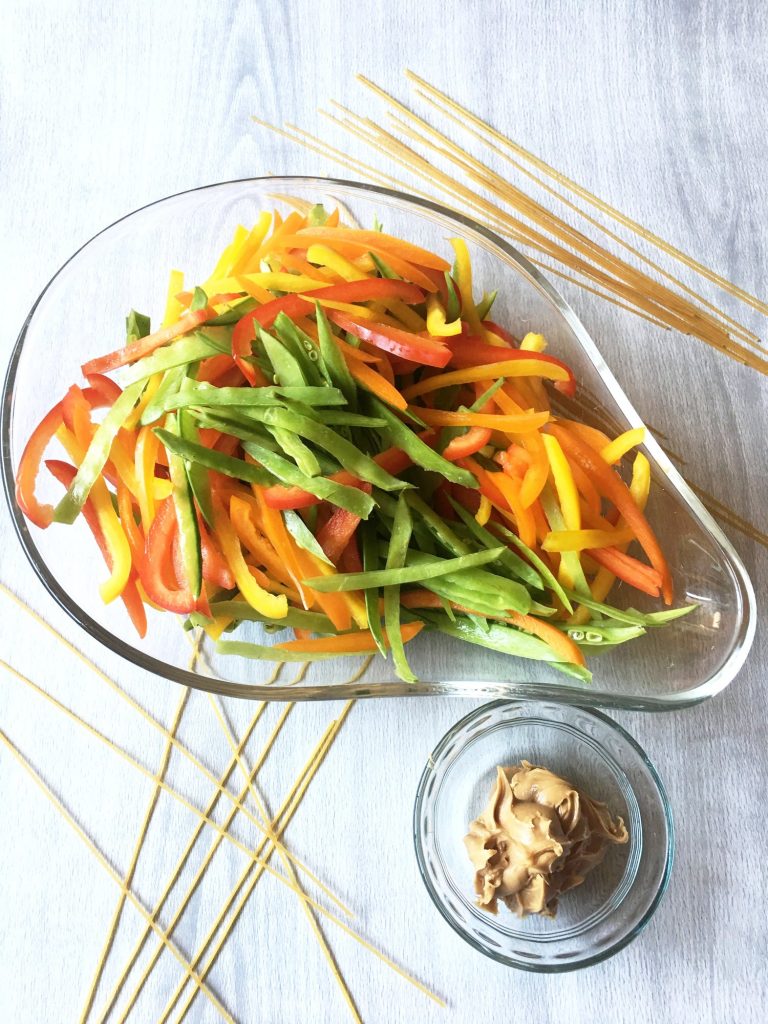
(580, 540)
(129, 595)
(467, 444)
(493, 421)
(274, 606)
(564, 485)
(143, 347)
(618, 448)
(337, 533)
(424, 351)
(637, 574)
(617, 492)
(29, 468)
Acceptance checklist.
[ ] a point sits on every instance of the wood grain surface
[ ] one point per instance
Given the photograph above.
(657, 107)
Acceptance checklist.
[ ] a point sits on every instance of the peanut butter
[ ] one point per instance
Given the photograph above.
(537, 838)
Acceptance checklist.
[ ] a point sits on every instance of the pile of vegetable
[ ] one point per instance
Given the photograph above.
(331, 436)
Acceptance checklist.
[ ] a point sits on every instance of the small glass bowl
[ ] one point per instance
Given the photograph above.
(616, 901)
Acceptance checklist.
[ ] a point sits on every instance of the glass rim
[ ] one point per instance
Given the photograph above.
(419, 807)
(714, 684)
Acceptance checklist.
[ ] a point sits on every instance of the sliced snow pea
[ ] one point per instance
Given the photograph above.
(484, 305)
(97, 455)
(303, 536)
(595, 634)
(350, 498)
(292, 445)
(427, 570)
(187, 350)
(543, 569)
(302, 348)
(346, 453)
(238, 469)
(371, 563)
(438, 527)
(235, 312)
(630, 615)
(165, 396)
(398, 548)
(295, 618)
(509, 559)
(404, 438)
(207, 396)
(189, 531)
(333, 359)
(505, 640)
(196, 474)
(286, 367)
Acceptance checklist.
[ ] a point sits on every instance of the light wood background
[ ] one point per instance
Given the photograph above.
(659, 108)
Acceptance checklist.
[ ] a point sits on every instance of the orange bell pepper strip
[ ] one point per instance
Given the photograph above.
(376, 241)
(271, 605)
(143, 347)
(493, 421)
(617, 492)
(589, 435)
(560, 642)
(258, 546)
(30, 465)
(526, 525)
(376, 384)
(359, 642)
(637, 574)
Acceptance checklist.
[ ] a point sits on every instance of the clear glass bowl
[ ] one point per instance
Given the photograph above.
(81, 313)
(615, 901)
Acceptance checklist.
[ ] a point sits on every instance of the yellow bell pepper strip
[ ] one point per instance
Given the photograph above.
(580, 540)
(272, 605)
(567, 494)
(251, 244)
(109, 534)
(129, 594)
(325, 256)
(145, 460)
(436, 323)
(492, 421)
(173, 308)
(483, 513)
(618, 448)
(462, 274)
(617, 492)
(514, 366)
(533, 343)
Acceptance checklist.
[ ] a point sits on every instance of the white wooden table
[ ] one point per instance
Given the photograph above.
(658, 108)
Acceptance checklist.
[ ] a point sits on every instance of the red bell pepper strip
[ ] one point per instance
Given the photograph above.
(467, 444)
(349, 560)
(158, 547)
(215, 568)
(29, 467)
(339, 531)
(143, 347)
(418, 349)
(617, 492)
(468, 351)
(130, 596)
